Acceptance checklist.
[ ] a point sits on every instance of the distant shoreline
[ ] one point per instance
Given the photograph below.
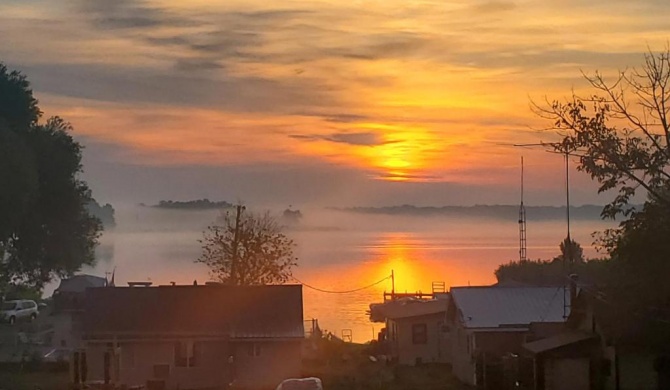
(195, 205)
(584, 212)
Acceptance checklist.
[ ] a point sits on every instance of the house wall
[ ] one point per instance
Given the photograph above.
(435, 350)
(462, 354)
(133, 364)
(277, 360)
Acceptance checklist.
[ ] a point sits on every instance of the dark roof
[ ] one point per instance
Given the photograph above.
(79, 283)
(413, 308)
(558, 341)
(216, 310)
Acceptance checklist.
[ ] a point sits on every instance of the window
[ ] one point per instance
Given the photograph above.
(184, 354)
(254, 350)
(419, 334)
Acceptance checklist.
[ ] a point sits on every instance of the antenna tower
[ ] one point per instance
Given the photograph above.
(522, 222)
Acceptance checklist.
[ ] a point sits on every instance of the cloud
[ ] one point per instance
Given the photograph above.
(494, 6)
(146, 85)
(355, 139)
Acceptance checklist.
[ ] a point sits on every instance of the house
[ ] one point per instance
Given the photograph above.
(415, 331)
(592, 353)
(68, 304)
(192, 337)
(488, 324)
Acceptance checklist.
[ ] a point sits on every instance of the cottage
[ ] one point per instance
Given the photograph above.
(590, 354)
(415, 331)
(192, 337)
(489, 324)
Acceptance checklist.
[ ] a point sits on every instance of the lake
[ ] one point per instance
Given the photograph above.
(339, 251)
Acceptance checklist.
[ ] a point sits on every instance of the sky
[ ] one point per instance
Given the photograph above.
(337, 103)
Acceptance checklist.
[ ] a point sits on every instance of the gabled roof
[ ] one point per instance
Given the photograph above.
(217, 310)
(79, 283)
(498, 306)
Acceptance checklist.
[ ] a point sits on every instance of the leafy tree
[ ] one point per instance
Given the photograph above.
(47, 231)
(571, 251)
(553, 272)
(621, 133)
(247, 249)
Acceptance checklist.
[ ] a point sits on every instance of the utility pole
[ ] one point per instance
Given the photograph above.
(392, 285)
(522, 222)
(567, 259)
(233, 264)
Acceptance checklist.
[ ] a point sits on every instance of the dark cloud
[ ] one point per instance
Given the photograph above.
(147, 85)
(356, 139)
(197, 65)
(129, 15)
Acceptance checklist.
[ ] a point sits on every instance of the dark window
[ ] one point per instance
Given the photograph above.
(419, 333)
(185, 353)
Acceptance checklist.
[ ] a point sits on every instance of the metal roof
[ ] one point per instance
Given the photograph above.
(79, 283)
(498, 306)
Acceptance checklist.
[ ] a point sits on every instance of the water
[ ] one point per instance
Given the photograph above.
(338, 251)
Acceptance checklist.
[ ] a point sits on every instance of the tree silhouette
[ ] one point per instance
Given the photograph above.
(621, 133)
(45, 229)
(247, 249)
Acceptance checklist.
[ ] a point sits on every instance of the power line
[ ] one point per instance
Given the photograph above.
(341, 292)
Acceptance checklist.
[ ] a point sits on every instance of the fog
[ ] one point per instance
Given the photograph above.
(336, 251)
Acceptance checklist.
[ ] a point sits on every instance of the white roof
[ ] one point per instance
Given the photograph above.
(496, 306)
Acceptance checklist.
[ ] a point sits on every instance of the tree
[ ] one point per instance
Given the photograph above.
(571, 250)
(45, 230)
(621, 133)
(247, 249)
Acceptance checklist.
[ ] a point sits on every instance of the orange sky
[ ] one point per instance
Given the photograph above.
(395, 90)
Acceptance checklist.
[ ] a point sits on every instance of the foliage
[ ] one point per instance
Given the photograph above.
(104, 213)
(199, 204)
(571, 251)
(291, 217)
(48, 231)
(621, 134)
(553, 272)
(637, 288)
(254, 253)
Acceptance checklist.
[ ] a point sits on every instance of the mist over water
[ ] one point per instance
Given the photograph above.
(337, 251)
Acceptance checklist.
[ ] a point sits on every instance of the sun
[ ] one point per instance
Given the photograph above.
(403, 155)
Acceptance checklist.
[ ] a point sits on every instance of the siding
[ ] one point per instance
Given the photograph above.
(134, 364)
(277, 361)
(433, 351)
